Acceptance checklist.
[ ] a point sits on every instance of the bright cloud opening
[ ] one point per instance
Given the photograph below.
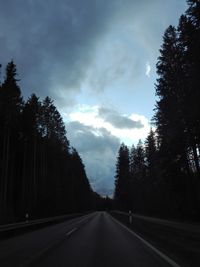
(148, 69)
(89, 116)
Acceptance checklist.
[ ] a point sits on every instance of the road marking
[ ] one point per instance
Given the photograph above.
(34, 257)
(83, 218)
(162, 255)
(70, 232)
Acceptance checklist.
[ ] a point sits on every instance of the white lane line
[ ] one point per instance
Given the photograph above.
(70, 232)
(84, 218)
(37, 255)
(162, 255)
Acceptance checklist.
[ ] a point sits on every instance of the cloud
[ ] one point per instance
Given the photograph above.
(118, 120)
(148, 69)
(133, 34)
(89, 116)
(98, 140)
(52, 44)
(62, 45)
(91, 138)
(98, 149)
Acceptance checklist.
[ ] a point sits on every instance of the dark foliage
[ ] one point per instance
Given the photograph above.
(164, 176)
(39, 173)
(122, 178)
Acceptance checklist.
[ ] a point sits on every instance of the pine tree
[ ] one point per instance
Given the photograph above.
(151, 156)
(139, 162)
(133, 189)
(189, 32)
(31, 153)
(10, 110)
(177, 112)
(81, 187)
(170, 116)
(38, 173)
(132, 156)
(152, 182)
(122, 176)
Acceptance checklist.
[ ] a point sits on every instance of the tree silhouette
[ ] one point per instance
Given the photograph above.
(165, 176)
(121, 194)
(40, 174)
(10, 109)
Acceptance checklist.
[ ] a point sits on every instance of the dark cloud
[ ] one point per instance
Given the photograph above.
(98, 149)
(91, 139)
(52, 42)
(118, 120)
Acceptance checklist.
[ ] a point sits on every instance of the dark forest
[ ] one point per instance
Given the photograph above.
(115, 181)
(41, 174)
(162, 176)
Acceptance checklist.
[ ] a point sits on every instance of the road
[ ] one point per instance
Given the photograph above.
(94, 240)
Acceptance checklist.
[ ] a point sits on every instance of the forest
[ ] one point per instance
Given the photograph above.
(41, 174)
(161, 177)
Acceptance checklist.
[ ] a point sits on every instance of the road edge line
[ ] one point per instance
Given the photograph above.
(71, 232)
(161, 254)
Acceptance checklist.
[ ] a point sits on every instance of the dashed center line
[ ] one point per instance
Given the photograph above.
(70, 232)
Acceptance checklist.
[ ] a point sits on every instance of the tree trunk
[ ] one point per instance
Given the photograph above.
(34, 172)
(24, 179)
(5, 177)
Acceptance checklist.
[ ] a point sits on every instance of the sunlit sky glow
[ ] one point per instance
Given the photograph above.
(88, 115)
(97, 60)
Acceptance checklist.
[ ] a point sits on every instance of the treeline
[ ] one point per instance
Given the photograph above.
(40, 174)
(163, 176)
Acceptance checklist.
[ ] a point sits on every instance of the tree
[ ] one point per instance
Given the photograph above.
(153, 183)
(177, 111)
(164, 179)
(10, 110)
(189, 36)
(31, 122)
(151, 155)
(132, 157)
(81, 187)
(138, 179)
(39, 173)
(139, 162)
(169, 117)
(121, 194)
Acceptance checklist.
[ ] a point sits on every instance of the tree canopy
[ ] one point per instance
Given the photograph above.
(164, 174)
(40, 174)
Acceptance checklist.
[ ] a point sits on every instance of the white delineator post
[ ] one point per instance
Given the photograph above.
(130, 217)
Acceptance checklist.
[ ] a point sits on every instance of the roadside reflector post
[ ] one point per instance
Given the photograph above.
(26, 216)
(130, 217)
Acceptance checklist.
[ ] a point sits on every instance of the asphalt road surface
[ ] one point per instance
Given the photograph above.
(94, 240)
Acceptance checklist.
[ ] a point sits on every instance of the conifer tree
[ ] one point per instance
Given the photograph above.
(10, 110)
(122, 176)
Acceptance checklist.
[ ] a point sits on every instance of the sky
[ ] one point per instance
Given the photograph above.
(97, 60)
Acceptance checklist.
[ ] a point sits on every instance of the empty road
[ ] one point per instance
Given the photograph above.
(94, 240)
